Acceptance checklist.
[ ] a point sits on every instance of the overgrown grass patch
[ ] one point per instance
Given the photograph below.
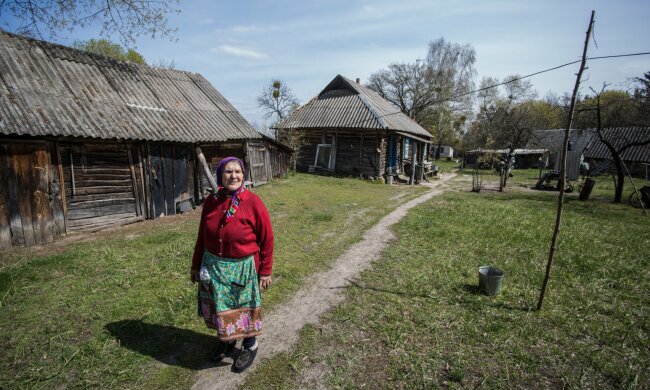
(416, 320)
(117, 310)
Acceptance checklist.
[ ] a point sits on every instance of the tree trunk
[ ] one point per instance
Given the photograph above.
(620, 173)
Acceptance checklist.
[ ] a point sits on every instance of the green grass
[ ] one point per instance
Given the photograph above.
(416, 320)
(445, 166)
(117, 310)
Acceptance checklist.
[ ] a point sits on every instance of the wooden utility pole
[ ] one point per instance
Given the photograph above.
(565, 147)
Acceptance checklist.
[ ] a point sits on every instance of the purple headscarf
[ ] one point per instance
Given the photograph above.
(223, 164)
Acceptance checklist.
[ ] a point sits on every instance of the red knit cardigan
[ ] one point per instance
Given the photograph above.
(248, 233)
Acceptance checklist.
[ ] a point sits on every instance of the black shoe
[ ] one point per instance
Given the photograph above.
(223, 350)
(245, 358)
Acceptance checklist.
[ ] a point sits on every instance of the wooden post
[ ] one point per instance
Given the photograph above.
(206, 168)
(145, 197)
(361, 156)
(147, 182)
(64, 203)
(422, 154)
(72, 184)
(414, 161)
(134, 183)
(560, 202)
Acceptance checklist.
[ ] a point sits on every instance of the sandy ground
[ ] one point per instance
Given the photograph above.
(282, 326)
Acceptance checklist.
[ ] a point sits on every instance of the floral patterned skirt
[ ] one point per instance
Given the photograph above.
(229, 296)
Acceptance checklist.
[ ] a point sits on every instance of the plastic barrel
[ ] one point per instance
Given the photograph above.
(489, 280)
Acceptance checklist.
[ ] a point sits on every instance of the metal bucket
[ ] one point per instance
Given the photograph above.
(489, 280)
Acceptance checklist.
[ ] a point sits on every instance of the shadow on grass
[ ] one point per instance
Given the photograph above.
(167, 344)
(474, 290)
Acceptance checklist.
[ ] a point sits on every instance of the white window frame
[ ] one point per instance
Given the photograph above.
(318, 151)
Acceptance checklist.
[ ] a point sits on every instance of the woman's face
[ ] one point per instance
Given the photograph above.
(232, 176)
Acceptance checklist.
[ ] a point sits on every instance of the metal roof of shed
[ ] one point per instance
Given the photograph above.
(348, 105)
(53, 90)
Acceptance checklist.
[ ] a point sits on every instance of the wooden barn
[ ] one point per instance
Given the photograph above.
(553, 140)
(87, 142)
(349, 129)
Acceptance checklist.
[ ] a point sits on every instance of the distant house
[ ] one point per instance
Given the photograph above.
(87, 142)
(446, 151)
(524, 158)
(636, 157)
(350, 129)
(553, 140)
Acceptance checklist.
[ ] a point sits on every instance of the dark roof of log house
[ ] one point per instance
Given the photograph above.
(553, 139)
(619, 137)
(53, 90)
(345, 104)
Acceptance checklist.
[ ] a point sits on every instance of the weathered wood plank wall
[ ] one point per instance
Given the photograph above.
(99, 186)
(48, 188)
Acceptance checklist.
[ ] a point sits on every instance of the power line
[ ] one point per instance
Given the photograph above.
(527, 76)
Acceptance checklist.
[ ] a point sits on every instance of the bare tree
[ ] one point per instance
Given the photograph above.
(616, 147)
(565, 147)
(278, 101)
(409, 86)
(434, 92)
(126, 18)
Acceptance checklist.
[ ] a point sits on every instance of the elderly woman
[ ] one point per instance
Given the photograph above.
(233, 259)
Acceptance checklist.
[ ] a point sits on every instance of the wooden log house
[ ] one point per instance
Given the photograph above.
(350, 129)
(87, 142)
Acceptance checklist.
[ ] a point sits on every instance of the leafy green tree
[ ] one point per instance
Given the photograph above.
(125, 18)
(617, 109)
(506, 120)
(109, 49)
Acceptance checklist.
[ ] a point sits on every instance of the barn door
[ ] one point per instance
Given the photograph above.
(25, 174)
(257, 157)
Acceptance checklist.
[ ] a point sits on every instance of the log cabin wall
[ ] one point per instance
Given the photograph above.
(307, 152)
(280, 160)
(51, 187)
(171, 177)
(357, 153)
(102, 186)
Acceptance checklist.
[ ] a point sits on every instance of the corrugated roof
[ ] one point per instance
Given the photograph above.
(47, 89)
(348, 105)
(619, 137)
(553, 139)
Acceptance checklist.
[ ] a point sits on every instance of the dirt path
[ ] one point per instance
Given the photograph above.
(283, 325)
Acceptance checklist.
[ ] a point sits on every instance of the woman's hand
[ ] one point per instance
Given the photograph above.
(194, 275)
(265, 282)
